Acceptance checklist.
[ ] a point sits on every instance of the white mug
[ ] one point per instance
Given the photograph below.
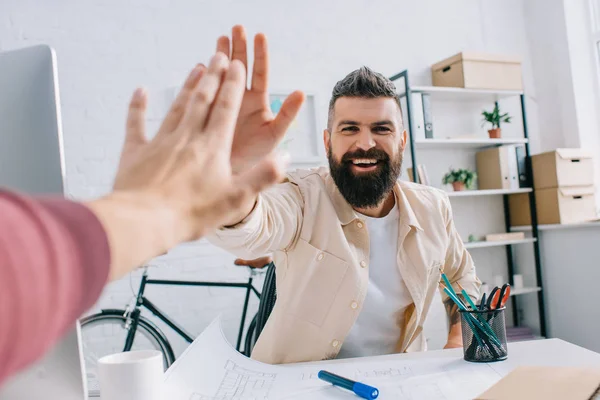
(133, 375)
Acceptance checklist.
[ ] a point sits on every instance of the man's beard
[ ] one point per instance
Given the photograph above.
(369, 188)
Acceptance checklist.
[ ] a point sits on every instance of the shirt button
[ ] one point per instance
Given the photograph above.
(359, 224)
(363, 264)
(335, 343)
(320, 256)
(354, 305)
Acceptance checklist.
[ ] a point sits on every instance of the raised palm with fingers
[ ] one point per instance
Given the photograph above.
(186, 168)
(258, 131)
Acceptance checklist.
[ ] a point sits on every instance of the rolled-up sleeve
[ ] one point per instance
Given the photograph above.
(459, 266)
(273, 224)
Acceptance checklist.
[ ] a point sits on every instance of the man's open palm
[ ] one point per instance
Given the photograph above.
(258, 131)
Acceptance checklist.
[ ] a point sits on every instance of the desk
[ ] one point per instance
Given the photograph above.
(550, 352)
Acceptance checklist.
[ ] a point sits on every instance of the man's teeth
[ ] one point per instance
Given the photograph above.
(364, 161)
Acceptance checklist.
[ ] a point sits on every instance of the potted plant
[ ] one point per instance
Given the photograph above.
(460, 179)
(495, 119)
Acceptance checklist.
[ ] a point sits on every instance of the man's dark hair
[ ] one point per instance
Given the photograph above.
(365, 83)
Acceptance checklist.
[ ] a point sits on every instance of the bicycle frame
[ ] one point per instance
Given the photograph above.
(142, 301)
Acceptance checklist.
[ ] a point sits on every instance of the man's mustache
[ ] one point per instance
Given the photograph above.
(375, 154)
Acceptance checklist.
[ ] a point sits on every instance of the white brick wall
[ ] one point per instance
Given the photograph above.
(107, 48)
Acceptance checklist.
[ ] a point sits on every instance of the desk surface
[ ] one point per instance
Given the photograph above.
(549, 352)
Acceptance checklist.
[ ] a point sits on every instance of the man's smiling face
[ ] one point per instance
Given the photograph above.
(365, 144)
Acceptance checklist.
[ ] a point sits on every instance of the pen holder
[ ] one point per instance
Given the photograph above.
(484, 335)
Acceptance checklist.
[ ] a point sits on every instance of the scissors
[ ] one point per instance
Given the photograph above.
(482, 303)
(498, 297)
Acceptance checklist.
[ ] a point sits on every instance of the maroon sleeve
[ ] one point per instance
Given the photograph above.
(54, 262)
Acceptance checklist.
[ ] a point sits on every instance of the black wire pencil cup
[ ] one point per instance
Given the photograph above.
(483, 327)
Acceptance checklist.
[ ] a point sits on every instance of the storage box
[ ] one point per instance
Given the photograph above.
(501, 168)
(563, 167)
(555, 206)
(479, 71)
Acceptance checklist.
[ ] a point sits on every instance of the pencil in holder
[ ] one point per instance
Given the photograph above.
(484, 335)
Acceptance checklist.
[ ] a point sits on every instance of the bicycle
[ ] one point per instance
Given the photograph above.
(129, 321)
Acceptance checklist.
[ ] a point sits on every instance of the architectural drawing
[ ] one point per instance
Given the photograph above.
(241, 384)
(425, 391)
(399, 372)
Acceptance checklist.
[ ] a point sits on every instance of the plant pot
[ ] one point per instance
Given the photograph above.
(458, 186)
(495, 133)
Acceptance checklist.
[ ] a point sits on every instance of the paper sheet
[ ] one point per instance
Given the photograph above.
(211, 369)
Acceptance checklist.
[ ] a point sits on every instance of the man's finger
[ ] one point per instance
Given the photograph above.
(136, 124)
(203, 96)
(223, 116)
(260, 70)
(180, 104)
(239, 48)
(287, 114)
(223, 45)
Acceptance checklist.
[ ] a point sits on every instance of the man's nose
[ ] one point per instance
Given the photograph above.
(365, 140)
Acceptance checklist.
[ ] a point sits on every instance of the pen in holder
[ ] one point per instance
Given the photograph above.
(484, 335)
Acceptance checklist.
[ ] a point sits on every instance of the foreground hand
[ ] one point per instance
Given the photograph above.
(258, 131)
(179, 186)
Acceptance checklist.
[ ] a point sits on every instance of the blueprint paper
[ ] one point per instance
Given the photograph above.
(211, 369)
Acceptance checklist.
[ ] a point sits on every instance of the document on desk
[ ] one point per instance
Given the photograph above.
(211, 369)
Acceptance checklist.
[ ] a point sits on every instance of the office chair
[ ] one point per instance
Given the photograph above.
(265, 306)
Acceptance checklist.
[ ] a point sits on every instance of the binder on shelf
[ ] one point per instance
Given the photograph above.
(492, 168)
(501, 167)
(427, 115)
(417, 111)
(524, 181)
(421, 174)
(513, 169)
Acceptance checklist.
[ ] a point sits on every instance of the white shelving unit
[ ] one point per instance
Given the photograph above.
(496, 243)
(417, 145)
(524, 290)
(491, 192)
(452, 93)
(466, 143)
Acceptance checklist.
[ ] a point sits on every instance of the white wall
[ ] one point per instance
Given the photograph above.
(565, 75)
(107, 48)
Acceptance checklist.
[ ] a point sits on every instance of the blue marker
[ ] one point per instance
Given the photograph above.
(360, 389)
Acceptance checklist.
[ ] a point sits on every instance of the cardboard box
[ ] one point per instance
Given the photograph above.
(499, 168)
(555, 206)
(545, 383)
(563, 167)
(498, 237)
(479, 71)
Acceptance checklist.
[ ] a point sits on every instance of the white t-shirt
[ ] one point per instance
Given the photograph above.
(377, 328)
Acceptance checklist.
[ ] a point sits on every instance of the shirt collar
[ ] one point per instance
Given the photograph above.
(346, 213)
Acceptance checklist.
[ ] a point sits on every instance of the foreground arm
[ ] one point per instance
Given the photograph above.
(460, 270)
(56, 255)
(54, 261)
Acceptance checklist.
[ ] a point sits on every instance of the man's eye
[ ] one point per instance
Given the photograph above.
(381, 129)
(350, 129)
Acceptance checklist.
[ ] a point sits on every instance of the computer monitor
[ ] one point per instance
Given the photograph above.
(31, 145)
(31, 161)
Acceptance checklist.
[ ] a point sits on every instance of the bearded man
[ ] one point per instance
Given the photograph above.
(359, 254)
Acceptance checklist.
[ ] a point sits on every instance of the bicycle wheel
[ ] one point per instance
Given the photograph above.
(105, 333)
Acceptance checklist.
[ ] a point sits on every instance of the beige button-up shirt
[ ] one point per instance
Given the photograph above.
(321, 251)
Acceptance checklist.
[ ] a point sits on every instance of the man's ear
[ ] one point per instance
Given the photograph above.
(403, 139)
(326, 140)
